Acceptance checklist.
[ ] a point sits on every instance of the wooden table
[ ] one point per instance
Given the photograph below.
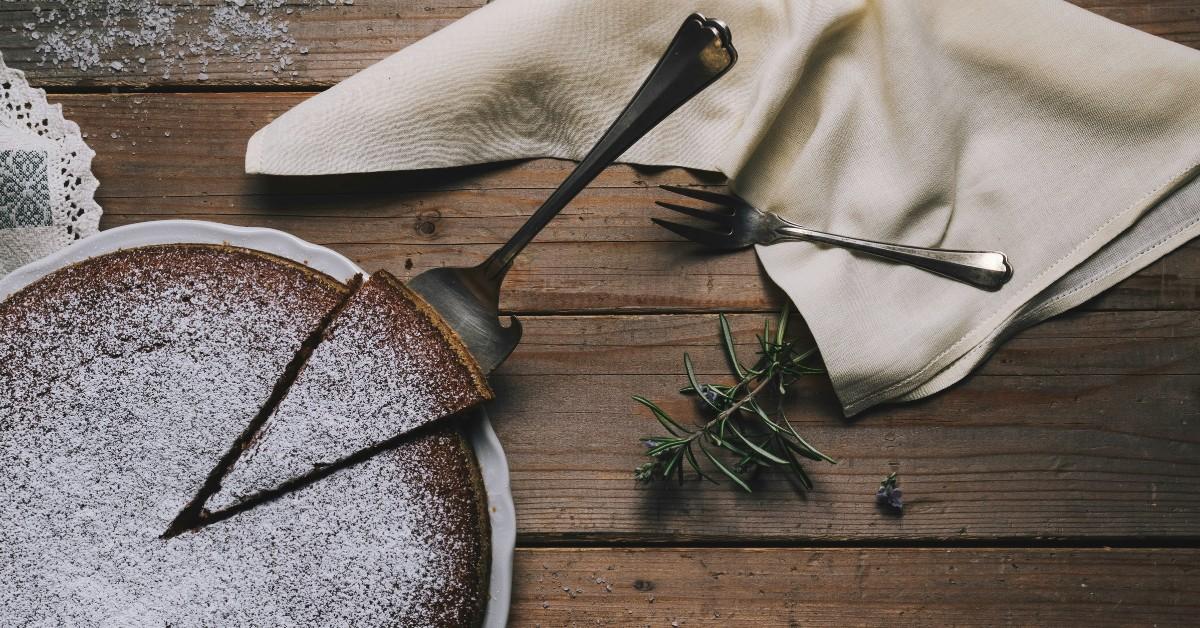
(1058, 484)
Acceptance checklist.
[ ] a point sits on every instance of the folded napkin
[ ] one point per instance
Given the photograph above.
(46, 182)
(1027, 126)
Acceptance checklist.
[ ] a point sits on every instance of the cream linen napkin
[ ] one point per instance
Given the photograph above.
(1027, 126)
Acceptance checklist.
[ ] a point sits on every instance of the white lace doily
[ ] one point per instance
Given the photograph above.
(47, 187)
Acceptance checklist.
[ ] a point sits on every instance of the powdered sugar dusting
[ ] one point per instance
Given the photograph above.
(383, 369)
(118, 392)
(124, 36)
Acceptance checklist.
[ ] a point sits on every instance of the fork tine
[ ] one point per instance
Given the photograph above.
(702, 236)
(702, 195)
(717, 216)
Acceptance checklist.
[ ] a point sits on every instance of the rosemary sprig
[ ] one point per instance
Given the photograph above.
(740, 436)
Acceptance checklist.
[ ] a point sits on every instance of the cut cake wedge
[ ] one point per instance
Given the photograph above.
(386, 365)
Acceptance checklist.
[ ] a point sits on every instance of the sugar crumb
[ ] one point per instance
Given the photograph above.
(184, 37)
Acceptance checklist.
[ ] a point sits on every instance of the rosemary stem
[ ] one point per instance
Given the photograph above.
(726, 413)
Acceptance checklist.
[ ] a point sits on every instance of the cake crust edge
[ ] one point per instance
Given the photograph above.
(328, 281)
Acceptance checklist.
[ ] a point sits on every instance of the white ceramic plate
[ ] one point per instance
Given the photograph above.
(483, 439)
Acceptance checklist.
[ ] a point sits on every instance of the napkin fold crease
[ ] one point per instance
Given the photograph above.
(1028, 126)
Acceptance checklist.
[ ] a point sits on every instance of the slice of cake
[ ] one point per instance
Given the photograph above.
(386, 365)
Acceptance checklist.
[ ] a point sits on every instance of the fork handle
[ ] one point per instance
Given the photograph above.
(700, 53)
(989, 270)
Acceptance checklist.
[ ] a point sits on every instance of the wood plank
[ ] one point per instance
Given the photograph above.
(1077, 343)
(631, 277)
(408, 222)
(1086, 428)
(853, 586)
(332, 40)
(193, 145)
(1176, 20)
(341, 39)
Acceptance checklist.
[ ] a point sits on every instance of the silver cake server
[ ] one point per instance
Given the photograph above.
(468, 298)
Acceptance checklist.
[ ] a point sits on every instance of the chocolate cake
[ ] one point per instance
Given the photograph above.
(125, 379)
(386, 365)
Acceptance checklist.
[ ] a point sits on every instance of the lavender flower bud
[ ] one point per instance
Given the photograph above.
(712, 396)
(891, 497)
(889, 493)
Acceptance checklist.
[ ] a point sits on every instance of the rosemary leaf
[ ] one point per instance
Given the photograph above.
(727, 340)
(674, 461)
(798, 469)
(691, 458)
(726, 470)
(758, 450)
(662, 417)
(696, 387)
(783, 320)
(803, 450)
(723, 443)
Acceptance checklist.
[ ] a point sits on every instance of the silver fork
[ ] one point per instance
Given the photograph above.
(740, 225)
(468, 298)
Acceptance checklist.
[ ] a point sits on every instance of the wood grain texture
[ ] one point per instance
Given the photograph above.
(855, 587)
(193, 144)
(1086, 427)
(1176, 20)
(342, 40)
(180, 156)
